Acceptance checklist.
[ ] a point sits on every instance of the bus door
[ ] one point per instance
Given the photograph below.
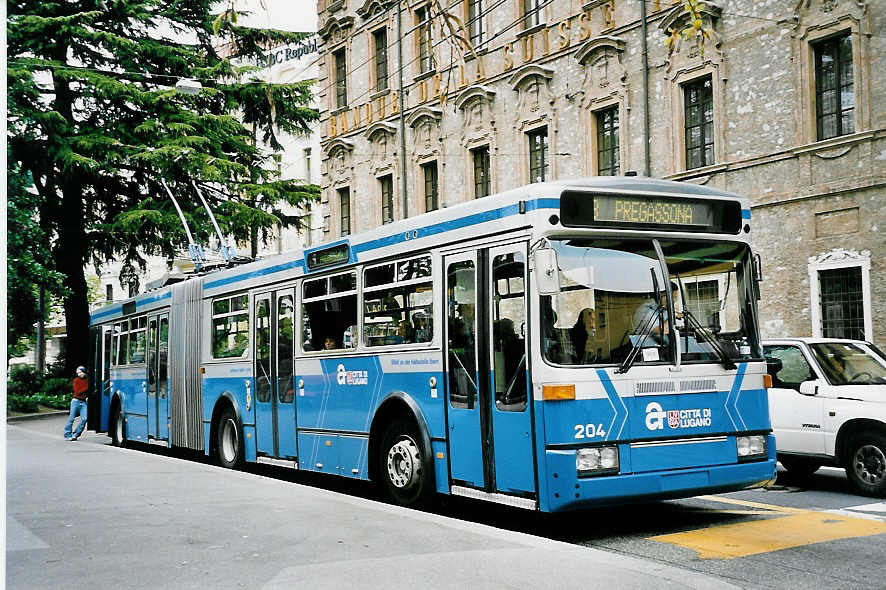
(96, 377)
(274, 374)
(158, 377)
(490, 432)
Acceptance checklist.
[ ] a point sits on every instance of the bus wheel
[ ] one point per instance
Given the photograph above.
(402, 465)
(229, 443)
(118, 427)
(866, 464)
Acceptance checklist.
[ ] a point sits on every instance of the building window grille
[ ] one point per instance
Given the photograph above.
(480, 156)
(425, 47)
(699, 122)
(109, 292)
(341, 83)
(607, 142)
(475, 22)
(834, 88)
(344, 204)
(387, 198)
(430, 174)
(842, 303)
(538, 155)
(381, 59)
(531, 13)
(703, 300)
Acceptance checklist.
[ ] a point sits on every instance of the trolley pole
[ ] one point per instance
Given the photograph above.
(402, 105)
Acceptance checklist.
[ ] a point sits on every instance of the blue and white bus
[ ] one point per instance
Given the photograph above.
(558, 346)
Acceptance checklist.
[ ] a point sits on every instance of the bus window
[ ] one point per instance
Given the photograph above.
(605, 303)
(152, 357)
(123, 350)
(285, 368)
(462, 302)
(115, 344)
(137, 344)
(398, 311)
(230, 327)
(263, 350)
(329, 322)
(508, 328)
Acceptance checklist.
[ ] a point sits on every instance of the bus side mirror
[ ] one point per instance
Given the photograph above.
(547, 273)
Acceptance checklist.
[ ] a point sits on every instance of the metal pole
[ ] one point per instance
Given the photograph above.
(40, 356)
(646, 157)
(402, 105)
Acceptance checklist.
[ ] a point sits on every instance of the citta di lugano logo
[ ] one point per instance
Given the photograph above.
(352, 377)
(689, 418)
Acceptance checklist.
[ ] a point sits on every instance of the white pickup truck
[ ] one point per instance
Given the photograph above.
(827, 405)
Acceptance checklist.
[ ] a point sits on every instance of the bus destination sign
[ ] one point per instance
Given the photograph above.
(652, 211)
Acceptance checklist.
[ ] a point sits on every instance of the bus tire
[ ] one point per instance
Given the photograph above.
(866, 463)
(229, 440)
(117, 426)
(401, 464)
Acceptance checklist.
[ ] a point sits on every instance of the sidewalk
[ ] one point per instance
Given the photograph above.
(106, 516)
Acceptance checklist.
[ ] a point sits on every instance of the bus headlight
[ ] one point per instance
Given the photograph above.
(596, 460)
(751, 447)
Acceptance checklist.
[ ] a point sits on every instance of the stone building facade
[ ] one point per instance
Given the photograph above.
(784, 102)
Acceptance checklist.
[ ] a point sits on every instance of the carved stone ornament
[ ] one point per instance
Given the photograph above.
(383, 148)
(335, 29)
(605, 73)
(425, 124)
(340, 164)
(533, 88)
(840, 255)
(475, 103)
(371, 8)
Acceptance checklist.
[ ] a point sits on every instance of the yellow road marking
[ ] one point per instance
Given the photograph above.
(762, 536)
(749, 504)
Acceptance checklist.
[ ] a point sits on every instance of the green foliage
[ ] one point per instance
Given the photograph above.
(95, 123)
(28, 263)
(24, 379)
(27, 390)
(695, 30)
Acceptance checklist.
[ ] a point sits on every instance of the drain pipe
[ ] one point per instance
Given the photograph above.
(646, 157)
(402, 105)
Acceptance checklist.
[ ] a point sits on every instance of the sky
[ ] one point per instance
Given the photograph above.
(288, 15)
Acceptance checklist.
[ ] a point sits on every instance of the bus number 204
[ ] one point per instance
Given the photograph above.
(589, 431)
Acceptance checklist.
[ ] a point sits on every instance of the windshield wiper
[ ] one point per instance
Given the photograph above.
(645, 331)
(706, 334)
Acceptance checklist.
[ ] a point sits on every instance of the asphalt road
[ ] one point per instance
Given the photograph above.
(800, 534)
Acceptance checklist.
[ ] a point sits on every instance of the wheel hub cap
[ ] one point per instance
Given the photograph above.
(870, 464)
(404, 465)
(229, 440)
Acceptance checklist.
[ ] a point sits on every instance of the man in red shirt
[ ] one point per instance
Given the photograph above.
(78, 405)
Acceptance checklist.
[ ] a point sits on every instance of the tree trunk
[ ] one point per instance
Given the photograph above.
(70, 259)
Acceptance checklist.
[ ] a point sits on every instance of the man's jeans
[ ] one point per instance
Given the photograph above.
(77, 407)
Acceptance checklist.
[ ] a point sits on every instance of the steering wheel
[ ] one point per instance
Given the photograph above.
(862, 374)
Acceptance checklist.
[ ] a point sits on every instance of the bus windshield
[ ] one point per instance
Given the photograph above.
(613, 300)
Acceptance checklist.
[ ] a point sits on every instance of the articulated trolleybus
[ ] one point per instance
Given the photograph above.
(558, 346)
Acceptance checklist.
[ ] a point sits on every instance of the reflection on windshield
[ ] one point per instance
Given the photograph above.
(613, 300)
(848, 364)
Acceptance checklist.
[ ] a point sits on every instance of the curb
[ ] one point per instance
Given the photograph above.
(40, 416)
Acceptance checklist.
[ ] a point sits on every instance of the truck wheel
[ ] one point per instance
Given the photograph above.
(229, 443)
(799, 466)
(866, 463)
(401, 464)
(118, 427)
